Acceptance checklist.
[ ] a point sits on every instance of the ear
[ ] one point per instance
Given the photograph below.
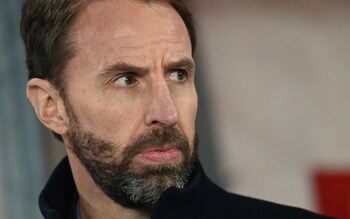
(48, 105)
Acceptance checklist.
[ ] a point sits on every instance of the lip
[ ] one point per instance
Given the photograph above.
(161, 154)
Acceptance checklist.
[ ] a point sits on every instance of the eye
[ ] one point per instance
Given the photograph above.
(125, 80)
(178, 75)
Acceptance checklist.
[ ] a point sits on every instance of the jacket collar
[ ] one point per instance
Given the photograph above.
(57, 198)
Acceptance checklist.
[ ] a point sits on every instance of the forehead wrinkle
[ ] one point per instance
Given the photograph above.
(150, 43)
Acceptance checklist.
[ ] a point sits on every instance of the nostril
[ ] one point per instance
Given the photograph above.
(173, 118)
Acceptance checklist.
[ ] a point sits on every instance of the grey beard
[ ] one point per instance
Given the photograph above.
(139, 191)
(118, 181)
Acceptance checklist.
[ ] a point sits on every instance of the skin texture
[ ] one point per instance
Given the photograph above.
(133, 72)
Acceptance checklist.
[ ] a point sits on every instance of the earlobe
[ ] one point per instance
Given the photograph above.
(47, 103)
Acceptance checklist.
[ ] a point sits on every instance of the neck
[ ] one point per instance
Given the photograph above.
(94, 204)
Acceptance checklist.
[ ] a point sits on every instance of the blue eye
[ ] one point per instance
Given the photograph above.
(178, 75)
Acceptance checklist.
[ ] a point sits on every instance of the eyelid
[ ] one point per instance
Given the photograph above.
(114, 78)
(184, 73)
(181, 70)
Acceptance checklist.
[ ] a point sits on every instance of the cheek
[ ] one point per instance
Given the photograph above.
(191, 112)
(188, 111)
(115, 120)
(105, 119)
(192, 105)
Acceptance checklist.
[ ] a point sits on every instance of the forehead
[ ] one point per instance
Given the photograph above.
(120, 21)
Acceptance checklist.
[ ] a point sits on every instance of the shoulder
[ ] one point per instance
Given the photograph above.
(238, 206)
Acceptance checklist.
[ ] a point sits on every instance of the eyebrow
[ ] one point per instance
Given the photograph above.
(182, 63)
(119, 67)
(127, 67)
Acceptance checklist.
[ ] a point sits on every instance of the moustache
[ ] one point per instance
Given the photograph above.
(159, 138)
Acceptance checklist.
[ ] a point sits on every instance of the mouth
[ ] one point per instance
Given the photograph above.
(163, 154)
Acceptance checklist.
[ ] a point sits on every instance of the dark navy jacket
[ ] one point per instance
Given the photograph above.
(200, 199)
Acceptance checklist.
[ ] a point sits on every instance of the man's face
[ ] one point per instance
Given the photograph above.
(131, 98)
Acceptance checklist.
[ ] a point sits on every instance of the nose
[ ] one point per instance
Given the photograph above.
(162, 110)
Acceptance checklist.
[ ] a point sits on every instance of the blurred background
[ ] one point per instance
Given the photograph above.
(274, 85)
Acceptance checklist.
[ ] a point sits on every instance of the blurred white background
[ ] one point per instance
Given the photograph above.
(278, 83)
